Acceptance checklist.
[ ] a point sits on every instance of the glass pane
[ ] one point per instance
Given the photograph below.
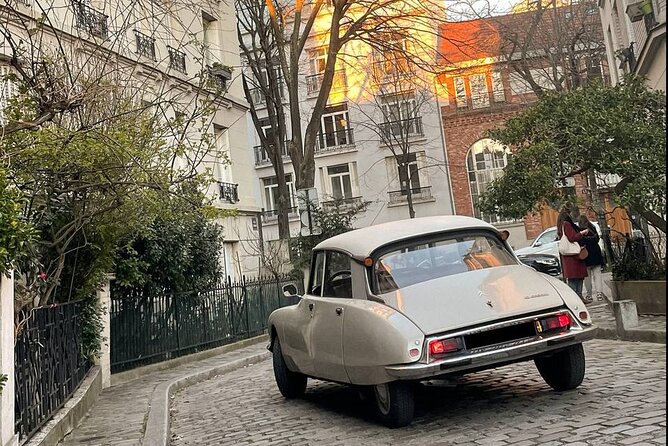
(317, 274)
(336, 187)
(347, 188)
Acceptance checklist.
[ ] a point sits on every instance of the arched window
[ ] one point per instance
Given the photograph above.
(485, 162)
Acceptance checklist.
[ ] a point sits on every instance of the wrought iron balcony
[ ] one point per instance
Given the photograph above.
(229, 192)
(90, 20)
(262, 157)
(145, 45)
(258, 97)
(177, 59)
(217, 76)
(333, 141)
(342, 204)
(396, 130)
(273, 214)
(314, 82)
(417, 194)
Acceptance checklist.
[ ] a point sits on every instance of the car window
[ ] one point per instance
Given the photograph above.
(547, 237)
(317, 274)
(421, 262)
(337, 279)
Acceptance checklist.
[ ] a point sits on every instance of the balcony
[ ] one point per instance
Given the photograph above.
(259, 99)
(217, 76)
(405, 128)
(272, 215)
(314, 82)
(229, 192)
(342, 204)
(417, 194)
(262, 157)
(89, 19)
(177, 60)
(145, 45)
(335, 141)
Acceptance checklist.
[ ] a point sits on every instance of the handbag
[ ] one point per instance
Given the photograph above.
(583, 254)
(568, 248)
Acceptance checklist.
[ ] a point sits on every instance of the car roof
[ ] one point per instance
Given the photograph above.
(360, 243)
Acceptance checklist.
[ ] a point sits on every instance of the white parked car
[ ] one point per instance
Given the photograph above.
(547, 243)
(411, 300)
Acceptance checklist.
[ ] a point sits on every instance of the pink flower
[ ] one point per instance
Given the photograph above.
(42, 275)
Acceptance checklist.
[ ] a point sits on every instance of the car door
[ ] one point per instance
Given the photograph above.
(327, 304)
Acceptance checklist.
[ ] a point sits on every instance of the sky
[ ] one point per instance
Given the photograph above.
(471, 9)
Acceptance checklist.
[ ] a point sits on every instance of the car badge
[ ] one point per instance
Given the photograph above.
(489, 302)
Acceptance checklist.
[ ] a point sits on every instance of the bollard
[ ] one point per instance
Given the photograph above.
(104, 297)
(7, 428)
(626, 314)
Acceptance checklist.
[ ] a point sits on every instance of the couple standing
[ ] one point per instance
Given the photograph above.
(575, 270)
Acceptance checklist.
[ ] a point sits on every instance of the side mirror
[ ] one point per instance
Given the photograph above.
(537, 244)
(289, 290)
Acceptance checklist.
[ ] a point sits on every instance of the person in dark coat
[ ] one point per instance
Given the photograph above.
(573, 268)
(593, 283)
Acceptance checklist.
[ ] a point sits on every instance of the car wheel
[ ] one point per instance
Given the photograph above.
(290, 384)
(395, 403)
(563, 370)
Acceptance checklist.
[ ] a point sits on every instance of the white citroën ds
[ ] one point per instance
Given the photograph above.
(418, 299)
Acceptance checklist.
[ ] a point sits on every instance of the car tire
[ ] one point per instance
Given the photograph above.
(563, 370)
(395, 403)
(290, 384)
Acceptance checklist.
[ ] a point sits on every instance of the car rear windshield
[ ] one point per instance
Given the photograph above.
(427, 260)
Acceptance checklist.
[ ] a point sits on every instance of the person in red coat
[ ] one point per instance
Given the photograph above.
(573, 268)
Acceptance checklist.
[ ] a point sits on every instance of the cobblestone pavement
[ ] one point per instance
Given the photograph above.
(622, 401)
(118, 417)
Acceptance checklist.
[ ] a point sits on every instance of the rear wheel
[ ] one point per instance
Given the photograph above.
(395, 403)
(290, 384)
(563, 370)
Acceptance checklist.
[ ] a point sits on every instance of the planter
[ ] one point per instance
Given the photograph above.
(649, 295)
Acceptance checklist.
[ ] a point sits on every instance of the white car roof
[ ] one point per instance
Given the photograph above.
(360, 243)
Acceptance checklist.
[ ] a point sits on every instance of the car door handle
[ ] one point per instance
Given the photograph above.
(339, 310)
(310, 307)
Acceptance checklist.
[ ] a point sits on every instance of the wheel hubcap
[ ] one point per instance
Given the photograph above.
(382, 392)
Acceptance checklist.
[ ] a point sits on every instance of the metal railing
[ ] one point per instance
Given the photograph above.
(229, 192)
(343, 204)
(217, 77)
(272, 214)
(394, 130)
(177, 59)
(332, 141)
(259, 99)
(91, 20)
(314, 82)
(417, 194)
(150, 329)
(49, 365)
(145, 45)
(262, 157)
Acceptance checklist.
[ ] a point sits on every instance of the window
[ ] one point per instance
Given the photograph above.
(8, 89)
(547, 237)
(400, 115)
(479, 93)
(210, 38)
(340, 180)
(317, 274)
(270, 186)
(460, 92)
(222, 171)
(392, 61)
(334, 126)
(497, 87)
(419, 261)
(485, 162)
(330, 275)
(318, 60)
(408, 173)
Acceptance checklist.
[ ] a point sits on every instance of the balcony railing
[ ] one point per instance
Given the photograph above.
(333, 141)
(262, 157)
(217, 77)
(90, 20)
(314, 82)
(343, 204)
(417, 194)
(229, 192)
(177, 59)
(395, 130)
(258, 97)
(273, 214)
(145, 45)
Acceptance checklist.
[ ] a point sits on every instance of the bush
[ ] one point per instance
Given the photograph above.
(635, 263)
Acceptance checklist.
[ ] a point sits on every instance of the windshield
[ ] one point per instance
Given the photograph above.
(423, 261)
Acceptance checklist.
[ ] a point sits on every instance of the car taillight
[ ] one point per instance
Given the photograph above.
(560, 322)
(439, 347)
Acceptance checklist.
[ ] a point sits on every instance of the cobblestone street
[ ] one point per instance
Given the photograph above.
(622, 401)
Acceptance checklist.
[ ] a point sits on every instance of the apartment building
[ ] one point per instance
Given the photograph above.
(635, 39)
(172, 56)
(380, 140)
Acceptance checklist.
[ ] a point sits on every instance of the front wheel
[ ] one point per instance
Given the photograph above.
(395, 403)
(563, 370)
(290, 384)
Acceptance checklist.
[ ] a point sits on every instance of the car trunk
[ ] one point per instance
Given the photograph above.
(474, 297)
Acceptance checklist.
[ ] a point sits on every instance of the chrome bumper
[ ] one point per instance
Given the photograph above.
(487, 358)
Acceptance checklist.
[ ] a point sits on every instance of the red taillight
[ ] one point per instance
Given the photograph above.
(443, 346)
(559, 322)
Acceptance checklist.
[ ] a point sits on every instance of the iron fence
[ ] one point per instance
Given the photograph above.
(49, 365)
(149, 329)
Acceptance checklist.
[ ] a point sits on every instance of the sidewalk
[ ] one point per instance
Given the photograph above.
(119, 417)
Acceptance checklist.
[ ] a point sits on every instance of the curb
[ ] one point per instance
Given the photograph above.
(157, 432)
(638, 335)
